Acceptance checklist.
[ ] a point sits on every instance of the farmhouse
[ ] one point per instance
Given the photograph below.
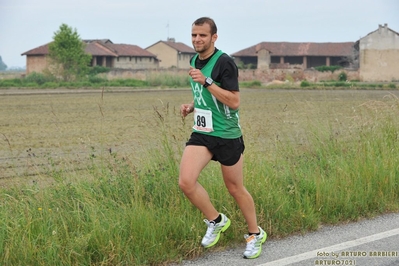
(285, 55)
(374, 57)
(104, 53)
(379, 55)
(172, 54)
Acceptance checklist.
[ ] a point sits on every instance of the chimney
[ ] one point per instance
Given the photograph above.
(382, 28)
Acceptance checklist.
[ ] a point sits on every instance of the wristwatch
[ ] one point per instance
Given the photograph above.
(208, 82)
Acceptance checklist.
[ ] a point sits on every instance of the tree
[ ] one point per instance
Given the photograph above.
(3, 66)
(68, 60)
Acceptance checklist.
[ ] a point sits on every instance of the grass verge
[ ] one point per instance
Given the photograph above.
(121, 211)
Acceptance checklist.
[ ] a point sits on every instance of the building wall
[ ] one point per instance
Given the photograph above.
(36, 63)
(40, 63)
(166, 54)
(105, 61)
(378, 65)
(263, 59)
(297, 75)
(132, 62)
(379, 56)
(169, 57)
(184, 61)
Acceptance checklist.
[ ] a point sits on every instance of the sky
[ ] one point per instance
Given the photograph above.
(27, 24)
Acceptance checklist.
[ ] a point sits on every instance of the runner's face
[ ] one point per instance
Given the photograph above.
(202, 39)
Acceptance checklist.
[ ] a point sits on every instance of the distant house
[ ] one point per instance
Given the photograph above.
(295, 55)
(379, 55)
(103, 52)
(172, 54)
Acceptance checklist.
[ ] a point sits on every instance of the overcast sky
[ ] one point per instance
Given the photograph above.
(27, 24)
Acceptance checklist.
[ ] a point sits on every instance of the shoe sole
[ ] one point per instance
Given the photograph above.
(260, 250)
(225, 227)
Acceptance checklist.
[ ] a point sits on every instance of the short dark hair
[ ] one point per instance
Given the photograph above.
(201, 21)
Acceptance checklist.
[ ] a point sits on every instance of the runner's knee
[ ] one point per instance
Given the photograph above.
(186, 185)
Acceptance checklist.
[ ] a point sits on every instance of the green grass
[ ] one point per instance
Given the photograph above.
(311, 158)
(177, 79)
(151, 79)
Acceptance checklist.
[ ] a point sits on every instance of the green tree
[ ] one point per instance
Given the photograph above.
(3, 66)
(68, 60)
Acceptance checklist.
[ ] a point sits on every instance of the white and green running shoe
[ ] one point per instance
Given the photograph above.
(212, 234)
(254, 244)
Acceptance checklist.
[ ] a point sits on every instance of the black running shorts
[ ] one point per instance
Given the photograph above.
(225, 151)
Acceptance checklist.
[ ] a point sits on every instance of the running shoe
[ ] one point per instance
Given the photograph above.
(254, 244)
(212, 234)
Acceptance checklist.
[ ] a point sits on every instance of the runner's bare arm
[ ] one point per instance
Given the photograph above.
(229, 98)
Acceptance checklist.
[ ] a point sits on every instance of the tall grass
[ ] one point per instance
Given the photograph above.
(152, 79)
(177, 80)
(130, 211)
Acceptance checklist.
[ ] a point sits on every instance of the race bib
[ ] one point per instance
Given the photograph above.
(203, 120)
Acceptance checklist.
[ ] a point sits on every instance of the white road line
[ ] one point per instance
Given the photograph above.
(338, 247)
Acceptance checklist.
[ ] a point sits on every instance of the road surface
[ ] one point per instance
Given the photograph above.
(373, 242)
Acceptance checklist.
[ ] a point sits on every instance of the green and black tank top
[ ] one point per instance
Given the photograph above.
(211, 117)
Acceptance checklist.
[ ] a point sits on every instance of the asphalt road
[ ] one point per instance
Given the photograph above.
(373, 242)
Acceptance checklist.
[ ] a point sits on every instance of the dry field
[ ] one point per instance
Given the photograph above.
(44, 132)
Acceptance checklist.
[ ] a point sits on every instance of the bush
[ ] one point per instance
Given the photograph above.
(98, 70)
(31, 85)
(115, 83)
(38, 78)
(341, 84)
(95, 79)
(251, 84)
(7, 83)
(17, 81)
(83, 84)
(135, 83)
(342, 76)
(251, 66)
(327, 68)
(305, 83)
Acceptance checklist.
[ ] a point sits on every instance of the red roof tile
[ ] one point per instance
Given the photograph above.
(178, 46)
(101, 48)
(41, 50)
(98, 49)
(128, 50)
(181, 47)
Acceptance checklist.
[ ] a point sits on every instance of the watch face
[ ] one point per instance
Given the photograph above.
(208, 81)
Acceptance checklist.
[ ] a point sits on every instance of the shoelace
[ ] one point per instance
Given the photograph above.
(211, 228)
(251, 240)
